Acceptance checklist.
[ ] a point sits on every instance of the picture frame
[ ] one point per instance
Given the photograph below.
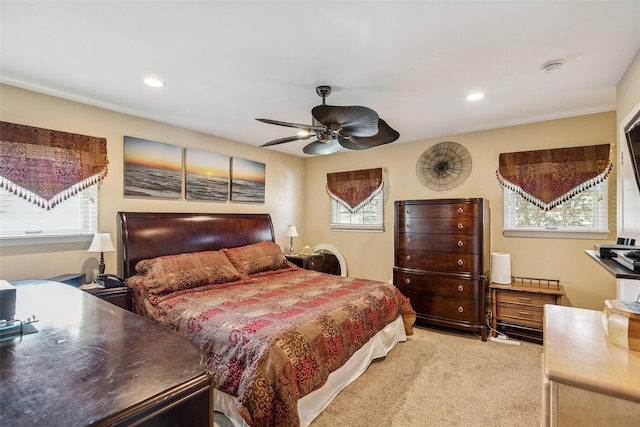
(206, 176)
(248, 180)
(152, 169)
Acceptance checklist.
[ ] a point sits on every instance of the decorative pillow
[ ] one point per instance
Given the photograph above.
(184, 271)
(263, 256)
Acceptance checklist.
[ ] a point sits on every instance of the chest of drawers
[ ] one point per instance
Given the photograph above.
(442, 259)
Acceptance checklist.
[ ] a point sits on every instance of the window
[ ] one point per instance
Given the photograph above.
(369, 217)
(76, 215)
(585, 215)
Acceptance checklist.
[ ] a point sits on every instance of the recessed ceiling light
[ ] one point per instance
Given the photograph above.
(153, 82)
(475, 96)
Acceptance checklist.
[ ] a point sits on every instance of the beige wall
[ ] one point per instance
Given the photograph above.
(284, 189)
(628, 97)
(296, 190)
(370, 255)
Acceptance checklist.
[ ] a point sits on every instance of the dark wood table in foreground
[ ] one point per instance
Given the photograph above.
(92, 363)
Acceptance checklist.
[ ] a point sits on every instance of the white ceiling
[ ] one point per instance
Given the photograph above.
(228, 62)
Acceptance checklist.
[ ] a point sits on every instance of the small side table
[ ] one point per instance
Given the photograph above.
(519, 309)
(121, 296)
(308, 262)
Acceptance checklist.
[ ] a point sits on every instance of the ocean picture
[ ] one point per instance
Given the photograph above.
(152, 169)
(207, 176)
(247, 180)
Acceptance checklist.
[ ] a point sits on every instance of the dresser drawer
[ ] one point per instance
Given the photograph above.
(446, 308)
(436, 210)
(454, 243)
(412, 283)
(529, 298)
(519, 313)
(439, 261)
(437, 225)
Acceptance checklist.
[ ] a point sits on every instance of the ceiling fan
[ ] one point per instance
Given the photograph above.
(353, 127)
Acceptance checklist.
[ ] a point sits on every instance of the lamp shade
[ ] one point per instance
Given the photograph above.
(291, 231)
(101, 243)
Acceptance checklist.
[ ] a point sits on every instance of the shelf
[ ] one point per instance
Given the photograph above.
(615, 269)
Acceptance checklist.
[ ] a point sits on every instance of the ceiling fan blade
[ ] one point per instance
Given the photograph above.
(317, 147)
(291, 125)
(285, 139)
(353, 120)
(385, 135)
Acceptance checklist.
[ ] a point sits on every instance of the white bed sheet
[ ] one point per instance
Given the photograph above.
(312, 404)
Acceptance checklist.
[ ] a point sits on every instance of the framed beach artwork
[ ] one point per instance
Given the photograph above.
(247, 180)
(152, 169)
(207, 176)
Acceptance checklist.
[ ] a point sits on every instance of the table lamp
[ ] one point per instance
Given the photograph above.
(291, 233)
(101, 243)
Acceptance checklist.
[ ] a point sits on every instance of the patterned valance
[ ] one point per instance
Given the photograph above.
(47, 166)
(354, 189)
(547, 178)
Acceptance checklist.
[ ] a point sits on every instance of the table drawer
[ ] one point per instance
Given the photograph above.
(454, 210)
(453, 243)
(521, 313)
(456, 309)
(439, 261)
(412, 283)
(530, 298)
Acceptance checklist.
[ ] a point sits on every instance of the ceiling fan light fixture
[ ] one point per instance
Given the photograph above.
(303, 133)
(475, 96)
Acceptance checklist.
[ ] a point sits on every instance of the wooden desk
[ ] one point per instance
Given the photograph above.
(93, 363)
(587, 380)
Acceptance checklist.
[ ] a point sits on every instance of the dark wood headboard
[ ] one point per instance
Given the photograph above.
(145, 235)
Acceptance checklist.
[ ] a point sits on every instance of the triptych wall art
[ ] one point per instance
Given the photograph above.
(159, 170)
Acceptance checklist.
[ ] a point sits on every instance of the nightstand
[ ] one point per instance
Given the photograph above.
(518, 309)
(120, 296)
(308, 262)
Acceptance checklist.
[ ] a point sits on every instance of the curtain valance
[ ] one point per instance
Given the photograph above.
(47, 166)
(354, 189)
(547, 178)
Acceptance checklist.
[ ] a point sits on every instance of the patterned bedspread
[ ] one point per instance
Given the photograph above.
(276, 336)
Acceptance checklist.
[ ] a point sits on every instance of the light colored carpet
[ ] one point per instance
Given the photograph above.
(441, 378)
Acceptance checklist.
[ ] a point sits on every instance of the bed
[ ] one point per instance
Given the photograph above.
(279, 341)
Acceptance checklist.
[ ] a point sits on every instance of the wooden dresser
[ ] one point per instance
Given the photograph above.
(442, 260)
(89, 362)
(586, 379)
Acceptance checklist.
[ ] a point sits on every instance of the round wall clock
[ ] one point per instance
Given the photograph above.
(443, 166)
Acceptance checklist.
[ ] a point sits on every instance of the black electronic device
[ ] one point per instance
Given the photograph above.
(628, 259)
(109, 281)
(606, 251)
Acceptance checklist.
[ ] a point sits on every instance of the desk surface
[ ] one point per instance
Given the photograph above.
(577, 352)
(89, 362)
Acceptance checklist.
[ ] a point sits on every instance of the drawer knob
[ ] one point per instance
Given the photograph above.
(407, 281)
(524, 298)
(460, 262)
(408, 241)
(524, 313)
(460, 243)
(408, 225)
(460, 226)
(460, 210)
(461, 288)
(408, 257)
(408, 210)
(460, 309)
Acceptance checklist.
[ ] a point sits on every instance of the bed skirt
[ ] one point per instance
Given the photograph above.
(312, 404)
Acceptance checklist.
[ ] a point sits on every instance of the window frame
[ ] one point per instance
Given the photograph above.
(337, 210)
(599, 232)
(88, 215)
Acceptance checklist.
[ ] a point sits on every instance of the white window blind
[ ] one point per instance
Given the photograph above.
(77, 215)
(369, 217)
(583, 216)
